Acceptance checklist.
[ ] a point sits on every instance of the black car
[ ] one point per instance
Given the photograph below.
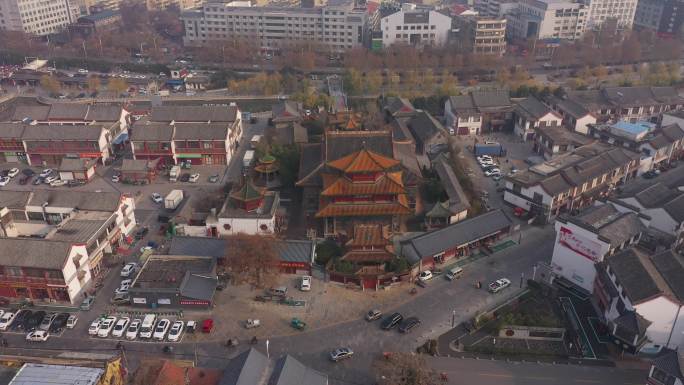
(34, 320)
(391, 321)
(59, 322)
(649, 175)
(185, 177)
(28, 172)
(406, 325)
(20, 319)
(140, 234)
(24, 179)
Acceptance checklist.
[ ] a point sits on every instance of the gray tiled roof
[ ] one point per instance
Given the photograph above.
(635, 279)
(248, 368)
(194, 114)
(491, 99)
(675, 208)
(310, 160)
(290, 250)
(104, 112)
(660, 141)
(142, 165)
(655, 195)
(11, 130)
(27, 252)
(424, 127)
(63, 132)
(202, 131)
(288, 110)
(671, 362)
(631, 324)
(341, 144)
(555, 184)
(570, 107)
(68, 111)
(32, 112)
(35, 374)
(458, 234)
(607, 221)
(77, 230)
(82, 200)
(289, 371)
(673, 132)
(198, 246)
(14, 199)
(670, 265)
(152, 131)
(399, 106)
(198, 286)
(531, 108)
(73, 164)
(458, 201)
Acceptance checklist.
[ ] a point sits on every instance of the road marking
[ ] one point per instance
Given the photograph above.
(496, 375)
(591, 381)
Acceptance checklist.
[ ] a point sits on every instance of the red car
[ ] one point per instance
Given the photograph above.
(207, 325)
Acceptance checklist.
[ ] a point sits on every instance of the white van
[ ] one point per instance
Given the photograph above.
(147, 326)
(454, 273)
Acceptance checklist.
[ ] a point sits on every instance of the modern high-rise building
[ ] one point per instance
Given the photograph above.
(37, 17)
(337, 26)
(480, 35)
(547, 19)
(163, 4)
(603, 11)
(415, 26)
(665, 17)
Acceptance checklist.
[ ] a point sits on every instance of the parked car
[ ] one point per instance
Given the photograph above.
(185, 177)
(121, 299)
(34, 320)
(409, 323)
(116, 179)
(94, 327)
(47, 321)
(87, 303)
(373, 315)
(176, 331)
(129, 268)
(340, 354)
(4, 180)
(120, 327)
(13, 172)
(49, 179)
(24, 179)
(123, 286)
(58, 183)
(496, 177)
(499, 285)
(141, 233)
(38, 181)
(71, 321)
(649, 175)
(161, 329)
(194, 178)
(305, 284)
(6, 320)
(214, 178)
(59, 322)
(133, 328)
(20, 319)
(425, 275)
(46, 173)
(38, 336)
(492, 171)
(391, 321)
(157, 198)
(106, 327)
(28, 172)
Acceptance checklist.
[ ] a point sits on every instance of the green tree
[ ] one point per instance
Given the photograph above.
(327, 250)
(288, 159)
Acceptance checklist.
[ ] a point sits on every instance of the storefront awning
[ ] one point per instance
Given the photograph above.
(189, 156)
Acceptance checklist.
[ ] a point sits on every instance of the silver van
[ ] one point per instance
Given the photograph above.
(454, 273)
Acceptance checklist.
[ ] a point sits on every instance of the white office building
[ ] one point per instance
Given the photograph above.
(548, 19)
(337, 26)
(601, 11)
(37, 17)
(415, 26)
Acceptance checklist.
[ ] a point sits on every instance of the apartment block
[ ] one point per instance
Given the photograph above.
(415, 26)
(163, 4)
(481, 35)
(37, 17)
(620, 11)
(337, 26)
(663, 17)
(547, 19)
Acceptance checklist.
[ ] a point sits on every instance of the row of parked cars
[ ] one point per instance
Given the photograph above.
(146, 328)
(39, 324)
(489, 167)
(393, 320)
(46, 176)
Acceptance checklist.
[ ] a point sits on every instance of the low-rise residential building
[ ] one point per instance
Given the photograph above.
(530, 114)
(139, 171)
(415, 25)
(548, 19)
(285, 113)
(575, 116)
(81, 169)
(150, 141)
(641, 297)
(336, 26)
(249, 209)
(11, 143)
(253, 365)
(455, 208)
(481, 35)
(667, 368)
(571, 181)
(99, 22)
(588, 239)
(48, 145)
(426, 132)
(630, 104)
(551, 141)
(478, 112)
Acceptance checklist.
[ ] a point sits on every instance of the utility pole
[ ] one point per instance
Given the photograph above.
(453, 318)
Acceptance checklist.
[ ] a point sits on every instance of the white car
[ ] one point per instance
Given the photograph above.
(115, 178)
(499, 285)
(123, 287)
(46, 173)
(82, 71)
(194, 178)
(425, 275)
(13, 172)
(4, 180)
(492, 171)
(6, 320)
(38, 336)
(58, 183)
(49, 179)
(133, 329)
(71, 321)
(106, 327)
(120, 327)
(157, 198)
(305, 285)
(95, 327)
(176, 331)
(145, 248)
(161, 329)
(128, 269)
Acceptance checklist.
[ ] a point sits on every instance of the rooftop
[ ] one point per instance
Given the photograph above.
(169, 271)
(194, 114)
(615, 226)
(37, 374)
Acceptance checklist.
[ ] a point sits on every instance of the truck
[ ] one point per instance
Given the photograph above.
(493, 149)
(173, 199)
(248, 160)
(173, 173)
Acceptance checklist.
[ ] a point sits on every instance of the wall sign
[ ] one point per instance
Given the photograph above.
(579, 244)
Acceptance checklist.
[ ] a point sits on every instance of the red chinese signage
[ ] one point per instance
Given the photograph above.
(293, 264)
(580, 245)
(194, 302)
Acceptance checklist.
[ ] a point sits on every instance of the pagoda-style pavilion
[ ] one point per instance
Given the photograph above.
(247, 197)
(267, 166)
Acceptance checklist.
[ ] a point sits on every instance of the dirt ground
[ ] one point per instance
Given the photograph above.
(326, 304)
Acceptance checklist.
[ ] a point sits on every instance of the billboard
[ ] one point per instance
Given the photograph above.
(579, 244)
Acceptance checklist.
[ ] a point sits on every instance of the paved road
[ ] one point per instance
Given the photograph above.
(487, 372)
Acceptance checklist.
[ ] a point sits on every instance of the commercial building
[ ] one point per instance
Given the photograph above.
(415, 26)
(603, 12)
(662, 17)
(547, 19)
(82, 169)
(641, 297)
(337, 26)
(158, 5)
(588, 238)
(481, 35)
(552, 141)
(99, 22)
(478, 112)
(572, 181)
(494, 8)
(37, 17)
(530, 114)
(139, 171)
(36, 373)
(251, 367)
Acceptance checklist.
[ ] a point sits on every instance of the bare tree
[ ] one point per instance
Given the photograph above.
(252, 259)
(403, 369)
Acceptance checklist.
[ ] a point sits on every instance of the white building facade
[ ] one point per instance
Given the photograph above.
(37, 17)
(415, 26)
(601, 11)
(548, 19)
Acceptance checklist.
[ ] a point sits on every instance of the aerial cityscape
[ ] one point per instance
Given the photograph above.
(341, 192)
